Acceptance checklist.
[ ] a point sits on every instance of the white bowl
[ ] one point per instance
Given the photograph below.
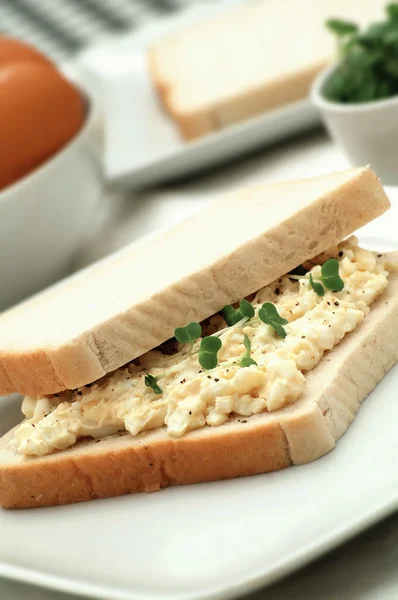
(367, 132)
(44, 216)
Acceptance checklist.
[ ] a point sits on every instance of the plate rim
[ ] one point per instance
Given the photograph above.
(248, 584)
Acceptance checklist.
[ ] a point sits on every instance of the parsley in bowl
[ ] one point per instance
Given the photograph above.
(358, 95)
(368, 60)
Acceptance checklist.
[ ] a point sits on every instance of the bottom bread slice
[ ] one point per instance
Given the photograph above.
(297, 434)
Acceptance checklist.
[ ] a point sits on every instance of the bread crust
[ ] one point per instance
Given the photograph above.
(192, 124)
(297, 434)
(131, 302)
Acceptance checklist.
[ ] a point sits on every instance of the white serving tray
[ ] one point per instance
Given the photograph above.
(141, 143)
(216, 540)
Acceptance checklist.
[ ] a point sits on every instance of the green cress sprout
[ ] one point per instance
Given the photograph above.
(188, 334)
(317, 287)
(232, 316)
(341, 28)
(152, 382)
(247, 360)
(208, 351)
(329, 277)
(268, 314)
(368, 67)
(209, 346)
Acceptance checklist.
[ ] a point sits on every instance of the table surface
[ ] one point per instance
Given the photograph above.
(364, 568)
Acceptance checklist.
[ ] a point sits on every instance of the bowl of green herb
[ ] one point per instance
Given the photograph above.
(358, 96)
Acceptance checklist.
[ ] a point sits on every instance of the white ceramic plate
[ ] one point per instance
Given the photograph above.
(142, 144)
(215, 540)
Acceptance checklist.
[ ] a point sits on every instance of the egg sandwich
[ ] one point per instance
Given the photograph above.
(240, 342)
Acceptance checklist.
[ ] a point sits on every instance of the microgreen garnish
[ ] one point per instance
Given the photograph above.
(268, 313)
(341, 28)
(152, 382)
(368, 67)
(329, 277)
(246, 359)
(188, 334)
(233, 315)
(317, 287)
(208, 351)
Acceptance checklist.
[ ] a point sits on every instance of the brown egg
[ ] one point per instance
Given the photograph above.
(13, 51)
(39, 113)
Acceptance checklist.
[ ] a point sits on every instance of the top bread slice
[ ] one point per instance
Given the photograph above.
(254, 57)
(109, 314)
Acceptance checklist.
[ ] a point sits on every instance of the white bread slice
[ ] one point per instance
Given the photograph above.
(297, 434)
(102, 318)
(250, 59)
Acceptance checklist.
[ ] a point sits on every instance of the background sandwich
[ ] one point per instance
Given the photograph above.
(252, 58)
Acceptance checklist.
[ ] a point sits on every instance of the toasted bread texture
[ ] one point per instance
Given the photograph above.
(251, 59)
(297, 434)
(109, 314)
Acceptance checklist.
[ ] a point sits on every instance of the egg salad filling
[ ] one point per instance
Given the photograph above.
(183, 395)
